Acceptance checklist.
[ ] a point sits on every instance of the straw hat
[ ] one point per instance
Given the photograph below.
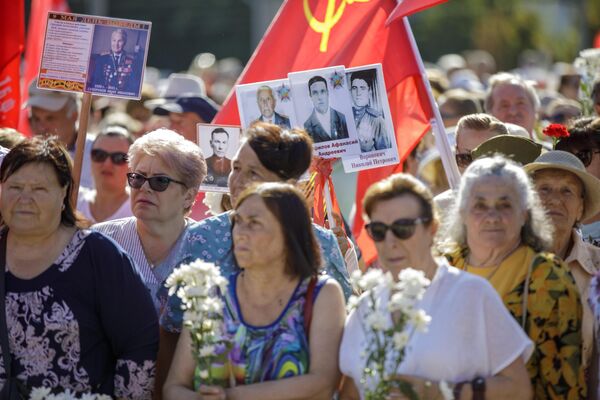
(568, 162)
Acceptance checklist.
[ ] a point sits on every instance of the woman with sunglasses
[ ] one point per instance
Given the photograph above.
(473, 348)
(166, 171)
(110, 198)
(498, 230)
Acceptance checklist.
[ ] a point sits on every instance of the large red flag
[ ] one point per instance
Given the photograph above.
(34, 46)
(12, 38)
(308, 34)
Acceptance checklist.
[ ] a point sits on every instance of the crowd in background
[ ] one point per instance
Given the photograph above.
(511, 253)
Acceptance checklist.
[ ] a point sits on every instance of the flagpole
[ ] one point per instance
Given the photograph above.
(86, 105)
(437, 125)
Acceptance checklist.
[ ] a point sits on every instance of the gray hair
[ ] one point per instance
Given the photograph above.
(178, 153)
(505, 78)
(536, 232)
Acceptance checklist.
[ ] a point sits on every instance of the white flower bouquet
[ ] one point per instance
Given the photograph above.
(588, 66)
(196, 285)
(391, 317)
(43, 393)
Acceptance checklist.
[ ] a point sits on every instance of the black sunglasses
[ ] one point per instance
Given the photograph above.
(401, 228)
(157, 183)
(586, 155)
(117, 158)
(463, 159)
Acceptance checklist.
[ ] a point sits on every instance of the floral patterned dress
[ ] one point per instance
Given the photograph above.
(266, 353)
(86, 323)
(553, 323)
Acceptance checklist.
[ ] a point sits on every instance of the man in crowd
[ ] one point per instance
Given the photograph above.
(218, 165)
(370, 125)
(186, 105)
(511, 99)
(56, 113)
(324, 123)
(266, 104)
(117, 70)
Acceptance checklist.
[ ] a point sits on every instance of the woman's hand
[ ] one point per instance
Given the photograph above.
(212, 392)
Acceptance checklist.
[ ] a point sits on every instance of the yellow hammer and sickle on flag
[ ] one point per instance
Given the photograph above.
(332, 17)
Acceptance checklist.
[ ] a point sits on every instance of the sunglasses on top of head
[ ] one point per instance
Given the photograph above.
(401, 228)
(158, 183)
(117, 158)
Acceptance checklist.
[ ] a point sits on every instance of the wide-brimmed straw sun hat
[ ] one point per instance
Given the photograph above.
(562, 160)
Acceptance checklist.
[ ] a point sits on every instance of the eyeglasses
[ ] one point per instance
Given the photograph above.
(463, 159)
(117, 158)
(401, 228)
(586, 155)
(157, 183)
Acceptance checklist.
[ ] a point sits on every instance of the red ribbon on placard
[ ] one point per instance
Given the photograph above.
(321, 169)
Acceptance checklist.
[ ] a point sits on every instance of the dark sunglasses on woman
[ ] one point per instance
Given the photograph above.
(401, 228)
(158, 183)
(117, 158)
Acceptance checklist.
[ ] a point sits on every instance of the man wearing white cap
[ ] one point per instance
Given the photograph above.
(55, 113)
(185, 103)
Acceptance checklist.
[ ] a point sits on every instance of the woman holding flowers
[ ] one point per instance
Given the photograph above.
(267, 317)
(476, 352)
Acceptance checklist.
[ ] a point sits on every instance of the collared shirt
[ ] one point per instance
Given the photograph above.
(325, 121)
(584, 262)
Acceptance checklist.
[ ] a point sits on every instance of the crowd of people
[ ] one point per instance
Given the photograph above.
(512, 253)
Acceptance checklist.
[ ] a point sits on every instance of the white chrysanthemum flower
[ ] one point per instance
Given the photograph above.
(377, 321)
(400, 302)
(206, 351)
(420, 320)
(400, 340)
(203, 374)
(39, 393)
(371, 279)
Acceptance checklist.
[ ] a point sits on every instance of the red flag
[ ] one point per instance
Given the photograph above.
(33, 49)
(12, 32)
(319, 33)
(408, 7)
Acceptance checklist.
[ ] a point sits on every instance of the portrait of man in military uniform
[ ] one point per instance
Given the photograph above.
(218, 165)
(266, 105)
(370, 125)
(116, 71)
(324, 123)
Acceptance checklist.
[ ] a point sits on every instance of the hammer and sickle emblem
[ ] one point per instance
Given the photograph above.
(332, 17)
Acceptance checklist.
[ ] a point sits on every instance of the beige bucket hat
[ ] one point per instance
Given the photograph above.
(565, 161)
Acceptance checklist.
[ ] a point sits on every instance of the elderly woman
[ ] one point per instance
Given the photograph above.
(264, 314)
(571, 195)
(498, 231)
(402, 222)
(166, 170)
(110, 199)
(267, 154)
(78, 317)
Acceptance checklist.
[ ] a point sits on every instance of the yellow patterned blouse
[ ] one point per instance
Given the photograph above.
(553, 323)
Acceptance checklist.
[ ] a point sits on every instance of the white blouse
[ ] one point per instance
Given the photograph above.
(471, 333)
